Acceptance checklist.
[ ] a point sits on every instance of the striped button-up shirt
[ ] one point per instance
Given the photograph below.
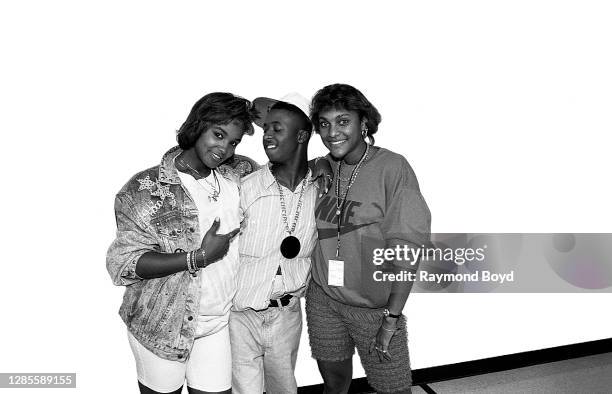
(263, 230)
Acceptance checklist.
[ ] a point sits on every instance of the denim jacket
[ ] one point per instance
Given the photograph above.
(154, 212)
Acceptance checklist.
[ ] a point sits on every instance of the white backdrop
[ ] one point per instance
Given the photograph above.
(502, 108)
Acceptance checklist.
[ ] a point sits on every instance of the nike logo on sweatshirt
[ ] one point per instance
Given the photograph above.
(326, 211)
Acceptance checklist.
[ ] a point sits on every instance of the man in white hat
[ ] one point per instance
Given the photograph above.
(278, 236)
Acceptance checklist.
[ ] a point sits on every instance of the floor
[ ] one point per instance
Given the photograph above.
(592, 374)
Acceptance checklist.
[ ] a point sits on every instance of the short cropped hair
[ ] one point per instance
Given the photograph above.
(215, 109)
(305, 123)
(342, 96)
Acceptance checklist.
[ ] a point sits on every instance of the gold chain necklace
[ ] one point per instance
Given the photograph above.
(340, 200)
(290, 245)
(216, 190)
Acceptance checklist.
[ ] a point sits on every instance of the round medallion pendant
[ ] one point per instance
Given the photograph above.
(290, 247)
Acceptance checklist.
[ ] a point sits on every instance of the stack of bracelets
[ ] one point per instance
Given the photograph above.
(192, 265)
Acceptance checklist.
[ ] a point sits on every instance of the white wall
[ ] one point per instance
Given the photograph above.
(502, 108)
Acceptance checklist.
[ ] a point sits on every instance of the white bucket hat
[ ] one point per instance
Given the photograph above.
(263, 105)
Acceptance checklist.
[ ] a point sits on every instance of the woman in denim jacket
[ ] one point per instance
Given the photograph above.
(175, 254)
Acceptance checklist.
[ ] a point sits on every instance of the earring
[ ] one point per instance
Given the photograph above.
(364, 132)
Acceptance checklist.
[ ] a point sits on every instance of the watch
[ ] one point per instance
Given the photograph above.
(389, 314)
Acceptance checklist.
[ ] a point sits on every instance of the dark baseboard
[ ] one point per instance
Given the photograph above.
(487, 365)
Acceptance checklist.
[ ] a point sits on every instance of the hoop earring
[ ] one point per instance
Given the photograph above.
(364, 132)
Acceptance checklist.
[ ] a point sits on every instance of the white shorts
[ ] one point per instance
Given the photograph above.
(208, 368)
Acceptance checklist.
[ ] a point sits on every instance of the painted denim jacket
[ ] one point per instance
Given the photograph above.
(154, 212)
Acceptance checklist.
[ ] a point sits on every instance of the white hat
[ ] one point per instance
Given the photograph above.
(263, 105)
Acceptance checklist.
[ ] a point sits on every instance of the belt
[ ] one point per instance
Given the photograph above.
(284, 301)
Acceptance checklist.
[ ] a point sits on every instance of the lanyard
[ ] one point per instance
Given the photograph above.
(340, 202)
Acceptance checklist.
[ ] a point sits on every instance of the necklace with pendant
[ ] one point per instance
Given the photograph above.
(290, 246)
(216, 189)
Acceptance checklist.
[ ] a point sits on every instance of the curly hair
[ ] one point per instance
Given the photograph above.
(215, 109)
(342, 96)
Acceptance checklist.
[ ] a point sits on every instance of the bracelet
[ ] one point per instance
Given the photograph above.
(189, 263)
(191, 267)
(194, 264)
(203, 252)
